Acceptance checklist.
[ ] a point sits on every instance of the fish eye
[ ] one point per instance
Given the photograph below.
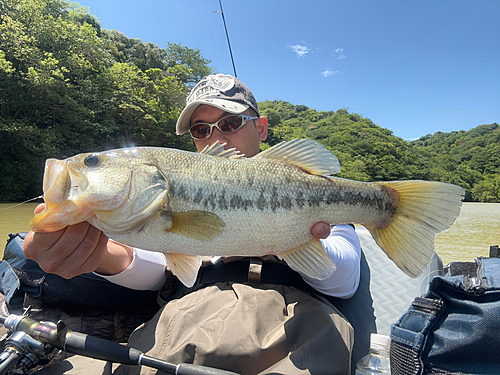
(91, 161)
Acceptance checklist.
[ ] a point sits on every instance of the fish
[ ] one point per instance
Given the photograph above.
(220, 203)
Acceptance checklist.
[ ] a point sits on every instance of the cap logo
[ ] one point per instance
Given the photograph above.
(211, 86)
(221, 82)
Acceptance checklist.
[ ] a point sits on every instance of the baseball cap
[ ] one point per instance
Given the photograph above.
(218, 90)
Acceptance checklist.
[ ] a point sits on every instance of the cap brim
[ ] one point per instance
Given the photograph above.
(183, 122)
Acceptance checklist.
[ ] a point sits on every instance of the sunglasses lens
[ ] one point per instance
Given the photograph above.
(226, 125)
(200, 131)
(230, 124)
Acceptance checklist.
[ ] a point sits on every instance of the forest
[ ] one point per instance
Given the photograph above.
(69, 86)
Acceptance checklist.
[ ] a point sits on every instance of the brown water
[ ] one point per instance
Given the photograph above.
(475, 230)
(14, 219)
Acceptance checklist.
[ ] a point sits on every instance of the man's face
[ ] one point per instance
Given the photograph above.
(246, 140)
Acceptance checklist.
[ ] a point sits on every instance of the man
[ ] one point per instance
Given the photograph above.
(232, 322)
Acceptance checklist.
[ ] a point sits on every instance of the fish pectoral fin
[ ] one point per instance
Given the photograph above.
(311, 259)
(199, 225)
(185, 267)
(306, 154)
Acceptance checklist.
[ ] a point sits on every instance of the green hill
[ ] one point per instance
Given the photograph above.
(369, 152)
(472, 154)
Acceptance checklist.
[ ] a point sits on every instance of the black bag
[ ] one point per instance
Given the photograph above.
(455, 327)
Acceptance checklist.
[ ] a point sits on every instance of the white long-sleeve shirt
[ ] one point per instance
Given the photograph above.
(147, 270)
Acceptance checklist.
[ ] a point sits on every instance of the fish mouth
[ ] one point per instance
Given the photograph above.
(60, 209)
(56, 181)
(61, 182)
(52, 168)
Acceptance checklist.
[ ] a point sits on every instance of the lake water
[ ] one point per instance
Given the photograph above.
(475, 230)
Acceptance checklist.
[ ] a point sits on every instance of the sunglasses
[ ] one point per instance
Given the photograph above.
(226, 125)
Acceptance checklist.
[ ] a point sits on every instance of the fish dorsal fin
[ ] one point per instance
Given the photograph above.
(217, 149)
(185, 267)
(311, 259)
(306, 154)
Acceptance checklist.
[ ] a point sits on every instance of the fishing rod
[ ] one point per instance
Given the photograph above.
(30, 342)
(227, 34)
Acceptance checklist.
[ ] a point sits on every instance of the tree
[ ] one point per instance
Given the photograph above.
(192, 59)
(487, 190)
(67, 87)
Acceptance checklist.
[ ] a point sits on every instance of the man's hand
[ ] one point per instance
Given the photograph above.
(75, 250)
(320, 230)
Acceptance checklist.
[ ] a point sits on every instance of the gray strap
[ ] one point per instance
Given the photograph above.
(254, 271)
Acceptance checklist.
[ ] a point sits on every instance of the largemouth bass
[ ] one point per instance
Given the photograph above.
(216, 202)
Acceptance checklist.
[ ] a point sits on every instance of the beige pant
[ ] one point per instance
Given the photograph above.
(241, 328)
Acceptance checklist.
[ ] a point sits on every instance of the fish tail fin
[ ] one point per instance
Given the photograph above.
(424, 208)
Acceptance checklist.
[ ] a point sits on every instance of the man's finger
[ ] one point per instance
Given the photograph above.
(39, 208)
(320, 230)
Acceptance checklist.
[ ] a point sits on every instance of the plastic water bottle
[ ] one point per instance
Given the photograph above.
(377, 360)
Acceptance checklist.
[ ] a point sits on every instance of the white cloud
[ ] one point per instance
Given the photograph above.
(300, 50)
(328, 72)
(340, 53)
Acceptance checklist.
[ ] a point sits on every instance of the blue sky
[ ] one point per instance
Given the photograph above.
(414, 67)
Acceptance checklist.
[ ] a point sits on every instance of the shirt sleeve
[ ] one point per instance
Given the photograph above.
(345, 250)
(146, 272)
